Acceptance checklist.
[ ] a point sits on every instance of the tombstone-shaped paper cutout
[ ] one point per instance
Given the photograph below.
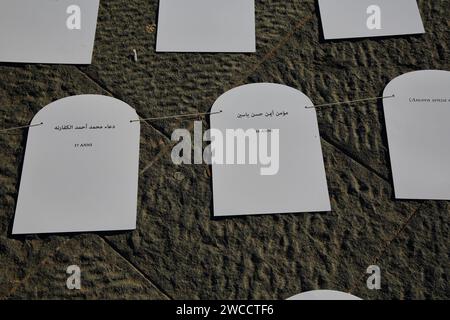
(80, 171)
(206, 26)
(47, 31)
(324, 295)
(299, 184)
(369, 18)
(418, 130)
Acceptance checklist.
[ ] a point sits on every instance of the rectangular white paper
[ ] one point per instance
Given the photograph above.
(206, 26)
(369, 18)
(44, 31)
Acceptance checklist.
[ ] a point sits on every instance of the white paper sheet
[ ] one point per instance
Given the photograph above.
(417, 122)
(206, 26)
(369, 18)
(324, 295)
(300, 183)
(47, 31)
(80, 171)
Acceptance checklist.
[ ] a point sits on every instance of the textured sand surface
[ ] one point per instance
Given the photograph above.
(178, 251)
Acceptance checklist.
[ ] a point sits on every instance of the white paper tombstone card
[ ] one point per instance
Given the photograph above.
(418, 130)
(206, 26)
(80, 171)
(369, 18)
(48, 31)
(324, 295)
(266, 152)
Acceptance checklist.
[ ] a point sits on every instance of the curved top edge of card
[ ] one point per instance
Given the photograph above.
(324, 295)
(262, 86)
(388, 89)
(87, 99)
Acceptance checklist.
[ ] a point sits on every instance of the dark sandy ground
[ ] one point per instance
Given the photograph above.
(178, 251)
